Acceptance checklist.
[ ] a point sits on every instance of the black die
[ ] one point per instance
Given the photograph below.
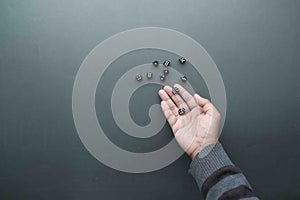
(166, 63)
(183, 79)
(175, 90)
(166, 71)
(149, 75)
(182, 60)
(155, 63)
(139, 77)
(181, 111)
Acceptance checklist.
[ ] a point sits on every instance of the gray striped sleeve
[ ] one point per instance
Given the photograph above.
(217, 177)
(227, 184)
(210, 159)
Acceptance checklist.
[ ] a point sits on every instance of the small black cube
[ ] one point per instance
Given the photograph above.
(139, 77)
(183, 79)
(175, 90)
(166, 71)
(166, 63)
(182, 60)
(181, 111)
(149, 75)
(155, 63)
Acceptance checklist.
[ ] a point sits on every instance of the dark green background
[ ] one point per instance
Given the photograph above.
(254, 43)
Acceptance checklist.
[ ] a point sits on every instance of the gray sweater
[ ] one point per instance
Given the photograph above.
(217, 177)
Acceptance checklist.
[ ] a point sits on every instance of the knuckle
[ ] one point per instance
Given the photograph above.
(188, 98)
(206, 101)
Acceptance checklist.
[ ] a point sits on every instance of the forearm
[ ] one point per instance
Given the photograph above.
(217, 177)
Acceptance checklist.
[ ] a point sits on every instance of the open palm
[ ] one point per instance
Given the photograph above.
(198, 127)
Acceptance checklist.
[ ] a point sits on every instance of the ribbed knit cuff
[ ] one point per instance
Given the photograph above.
(210, 159)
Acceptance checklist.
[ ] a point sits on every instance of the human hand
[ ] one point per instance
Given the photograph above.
(198, 127)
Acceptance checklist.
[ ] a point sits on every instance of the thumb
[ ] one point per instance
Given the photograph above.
(207, 106)
(200, 100)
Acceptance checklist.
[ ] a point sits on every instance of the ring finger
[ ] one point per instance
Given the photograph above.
(180, 103)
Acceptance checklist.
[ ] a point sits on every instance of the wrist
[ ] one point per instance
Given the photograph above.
(201, 147)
